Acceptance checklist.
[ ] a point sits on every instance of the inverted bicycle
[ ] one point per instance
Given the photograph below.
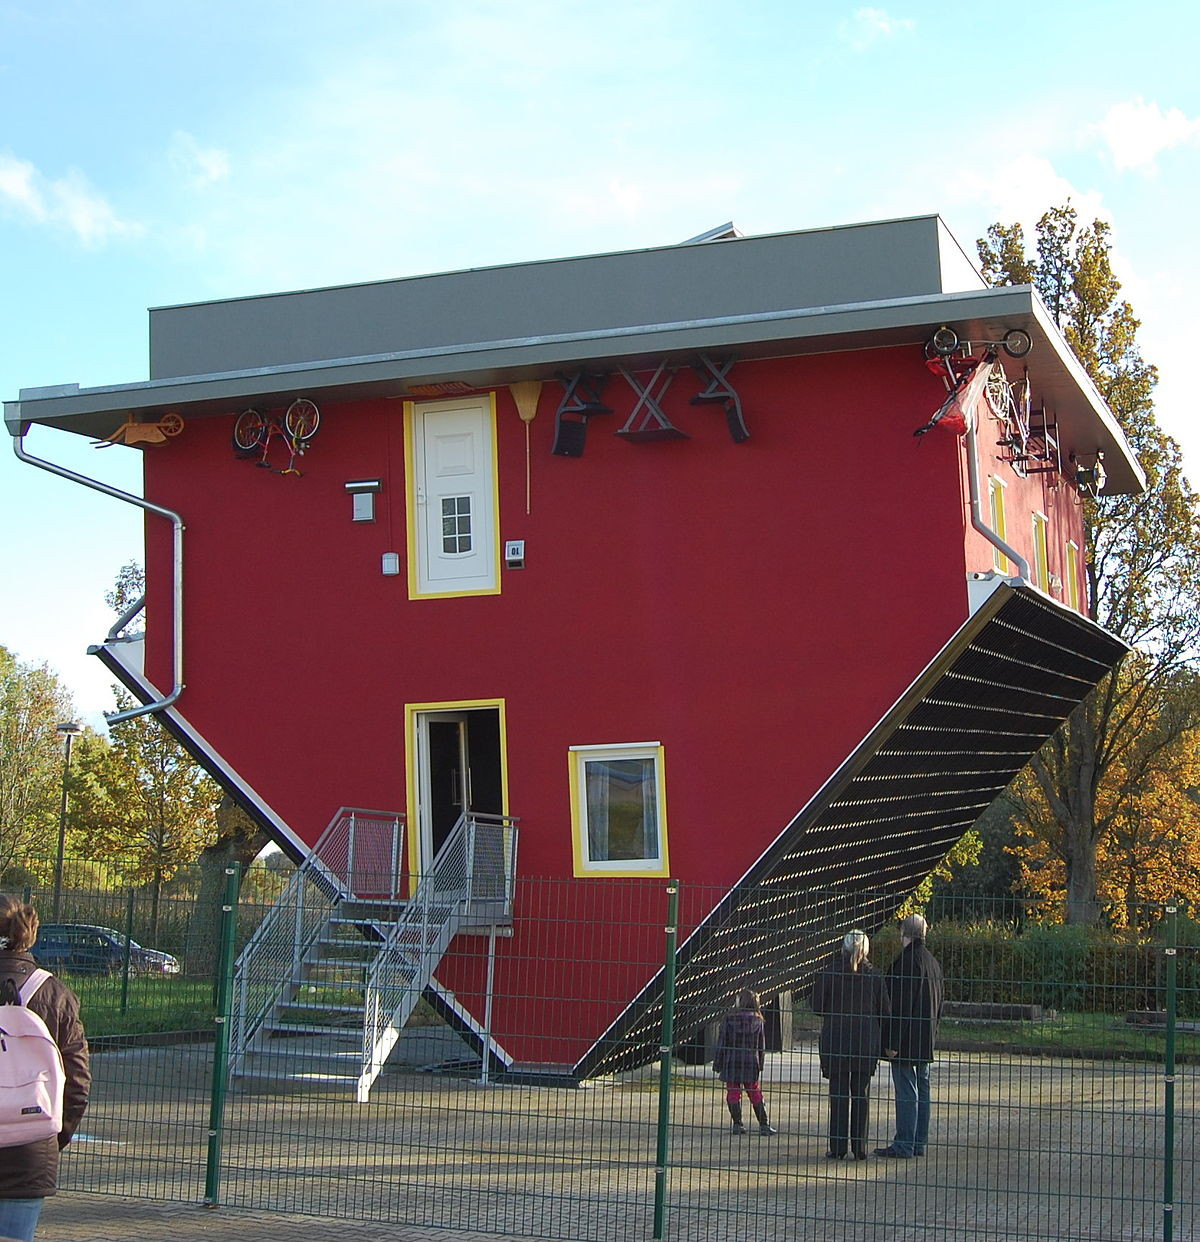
(254, 431)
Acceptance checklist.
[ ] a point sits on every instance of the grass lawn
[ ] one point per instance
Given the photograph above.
(151, 1003)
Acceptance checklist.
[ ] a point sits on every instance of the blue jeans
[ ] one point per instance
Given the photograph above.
(910, 1082)
(19, 1218)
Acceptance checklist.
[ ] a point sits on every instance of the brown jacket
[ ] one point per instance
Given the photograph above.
(31, 1170)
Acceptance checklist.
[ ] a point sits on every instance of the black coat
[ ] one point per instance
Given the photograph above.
(30, 1171)
(741, 1044)
(916, 988)
(854, 1005)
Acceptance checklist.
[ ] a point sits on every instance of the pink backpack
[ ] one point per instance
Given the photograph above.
(32, 1078)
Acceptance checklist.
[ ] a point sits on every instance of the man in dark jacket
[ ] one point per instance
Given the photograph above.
(916, 990)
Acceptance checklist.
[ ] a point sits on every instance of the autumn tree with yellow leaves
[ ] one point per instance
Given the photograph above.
(1107, 799)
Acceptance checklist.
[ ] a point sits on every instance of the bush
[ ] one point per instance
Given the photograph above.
(1049, 964)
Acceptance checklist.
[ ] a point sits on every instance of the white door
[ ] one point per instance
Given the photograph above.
(443, 778)
(454, 485)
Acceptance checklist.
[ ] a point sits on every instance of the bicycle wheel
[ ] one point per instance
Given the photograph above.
(1017, 343)
(999, 394)
(302, 420)
(250, 431)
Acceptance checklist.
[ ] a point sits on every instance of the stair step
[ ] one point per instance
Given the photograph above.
(267, 1076)
(312, 1028)
(291, 1006)
(279, 1048)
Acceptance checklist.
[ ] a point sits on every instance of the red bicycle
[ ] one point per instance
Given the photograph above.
(254, 430)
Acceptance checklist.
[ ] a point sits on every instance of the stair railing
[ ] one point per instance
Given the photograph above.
(472, 880)
(359, 852)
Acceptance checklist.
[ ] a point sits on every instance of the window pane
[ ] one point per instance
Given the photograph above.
(622, 810)
(456, 524)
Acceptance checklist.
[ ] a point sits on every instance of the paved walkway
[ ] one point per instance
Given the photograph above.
(74, 1217)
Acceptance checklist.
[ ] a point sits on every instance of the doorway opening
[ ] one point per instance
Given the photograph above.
(456, 765)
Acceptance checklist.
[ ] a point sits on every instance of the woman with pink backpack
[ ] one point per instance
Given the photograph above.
(43, 1088)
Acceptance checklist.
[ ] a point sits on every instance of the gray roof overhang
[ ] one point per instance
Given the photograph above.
(1086, 425)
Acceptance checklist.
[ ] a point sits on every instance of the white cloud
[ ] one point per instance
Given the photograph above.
(868, 26)
(17, 186)
(198, 166)
(1137, 132)
(1020, 189)
(68, 202)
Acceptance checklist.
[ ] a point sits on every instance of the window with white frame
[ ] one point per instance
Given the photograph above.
(1041, 558)
(1072, 568)
(996, 500)
(618, 809)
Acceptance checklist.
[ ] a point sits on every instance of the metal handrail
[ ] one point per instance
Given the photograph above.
(343, 863)
(476, 867)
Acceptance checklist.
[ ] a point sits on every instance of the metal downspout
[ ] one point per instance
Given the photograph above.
(976, 508)
(177, 574)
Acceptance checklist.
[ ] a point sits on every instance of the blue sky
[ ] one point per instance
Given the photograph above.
(154, 153)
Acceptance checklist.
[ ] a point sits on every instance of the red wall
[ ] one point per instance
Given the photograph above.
(754, 607)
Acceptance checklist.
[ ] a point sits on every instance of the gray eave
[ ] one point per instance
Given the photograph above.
(1086, 425)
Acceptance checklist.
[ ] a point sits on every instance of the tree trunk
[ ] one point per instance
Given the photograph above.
(239, 841)
(1083, 905)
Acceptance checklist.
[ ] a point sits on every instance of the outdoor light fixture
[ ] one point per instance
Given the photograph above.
(70, 730)
(362, 498)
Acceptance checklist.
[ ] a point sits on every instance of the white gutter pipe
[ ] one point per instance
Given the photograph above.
(976, 507)
(177, 574)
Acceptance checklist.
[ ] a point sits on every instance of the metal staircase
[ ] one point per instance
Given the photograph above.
(327, 982)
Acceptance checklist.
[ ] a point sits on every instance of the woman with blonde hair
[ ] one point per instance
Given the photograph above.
(852, 999)
(29, 1171)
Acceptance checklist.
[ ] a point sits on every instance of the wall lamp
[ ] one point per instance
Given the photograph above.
(362, 498)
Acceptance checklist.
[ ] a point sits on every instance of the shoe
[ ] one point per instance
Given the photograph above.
(860, 1153)
(835, 1155)
(767, 1129)
(890, 1153)
(919, 1153)
(738, 1128)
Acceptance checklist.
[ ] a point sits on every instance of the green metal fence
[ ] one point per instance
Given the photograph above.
(1062, 1100)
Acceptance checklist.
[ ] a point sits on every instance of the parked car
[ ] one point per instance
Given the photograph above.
(87, 950)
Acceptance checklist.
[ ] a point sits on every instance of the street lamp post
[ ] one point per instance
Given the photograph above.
(70, 730)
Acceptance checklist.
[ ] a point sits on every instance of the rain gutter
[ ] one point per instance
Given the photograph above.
(128, 615)
(977, 508)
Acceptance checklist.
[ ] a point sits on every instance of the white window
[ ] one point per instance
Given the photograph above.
(1072, 574)
(1041, 561)
(996, 498)
(452, 497)
(618, 809)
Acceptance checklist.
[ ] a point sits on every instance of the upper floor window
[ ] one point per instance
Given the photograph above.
(1072, 574)
(996, 502)
(1041, 560)
(618, 809)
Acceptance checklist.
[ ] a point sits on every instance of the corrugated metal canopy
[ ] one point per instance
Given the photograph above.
(999, 689)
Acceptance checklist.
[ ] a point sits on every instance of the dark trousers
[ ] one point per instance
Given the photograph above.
(849, 1110)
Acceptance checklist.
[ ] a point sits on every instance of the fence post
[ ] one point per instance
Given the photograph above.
(1172, 1000)
(128, 938)
(220, 1072)
(664, 1064)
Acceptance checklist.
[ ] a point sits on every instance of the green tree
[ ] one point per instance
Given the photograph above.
(32, 703)
(1143, 562)
(238, 840)
(128, 590)
(143, 804)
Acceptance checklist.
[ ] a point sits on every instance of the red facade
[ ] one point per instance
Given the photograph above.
(755, 608)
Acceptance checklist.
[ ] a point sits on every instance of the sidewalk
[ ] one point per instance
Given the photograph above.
(71, 1216)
